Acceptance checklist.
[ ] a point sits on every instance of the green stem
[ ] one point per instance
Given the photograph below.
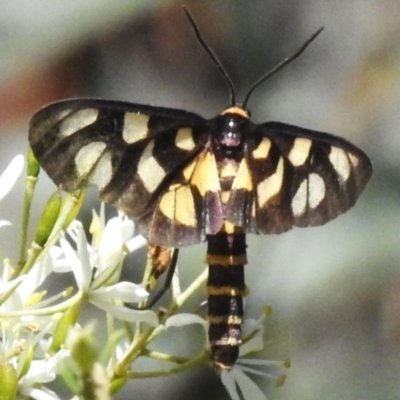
(58, 308)
(33, 254)
(135, 350)
(139, 346)
(29, 190)
(164, 357)
(145, 280)
(199, 281)
(201, 359)
(36, 252)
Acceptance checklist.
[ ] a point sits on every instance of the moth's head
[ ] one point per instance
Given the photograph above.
(230, 128)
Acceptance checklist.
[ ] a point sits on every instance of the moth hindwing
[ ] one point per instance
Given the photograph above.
(181, 176)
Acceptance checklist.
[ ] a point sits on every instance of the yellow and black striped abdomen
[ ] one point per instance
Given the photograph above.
(226, 257)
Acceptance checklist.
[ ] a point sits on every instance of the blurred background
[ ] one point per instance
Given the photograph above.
(335, 290)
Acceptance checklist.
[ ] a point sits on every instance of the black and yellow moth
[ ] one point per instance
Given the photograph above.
(185, 179)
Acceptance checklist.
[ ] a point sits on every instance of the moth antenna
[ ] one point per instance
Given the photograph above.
(210, 52)
(280, 66)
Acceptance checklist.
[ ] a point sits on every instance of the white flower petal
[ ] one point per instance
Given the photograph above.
(136, 243)
(126, 227)
(261, 362)
(11, 174)
(61, 266)
(36, 276)
(4, 223)
(229, 382)
(250, 325)
(184, 319)
(124, 291)
(248, 388)
(55, 252)
(248, 370)
(255, 344)
(96, 227)
(256, 329)
(6, 286)
(38, 372)
(75, 264)
(82, 244)
(40, 394)
(110, 249)
(127, 314)
(55, 362)
(43, 371)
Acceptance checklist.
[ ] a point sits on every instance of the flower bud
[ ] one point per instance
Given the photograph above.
(9, 381)
(84, 350)
(48, 219)
(68, 319)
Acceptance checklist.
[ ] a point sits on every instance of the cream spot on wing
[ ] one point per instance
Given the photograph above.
(149, 170)
(167, 204)
(340, 162)
(87, 157)
(178, 205)
(316, 190)
(78, 120)
(353, 159)
(102, 174)
(135, 127)
(270, 186)
(262, 151)
(184, 139)
(299, 151)
(299, 201)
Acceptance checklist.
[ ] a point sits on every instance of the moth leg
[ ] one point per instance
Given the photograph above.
(158, 255)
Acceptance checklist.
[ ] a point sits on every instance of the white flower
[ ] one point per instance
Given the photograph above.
(8, 179)
(28, 345)
(183, 319)
(25, 338)
(22, 296)
(253, 329)
(41, 371)
(96, 269)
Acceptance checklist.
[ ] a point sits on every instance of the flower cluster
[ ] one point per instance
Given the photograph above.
(44, 337)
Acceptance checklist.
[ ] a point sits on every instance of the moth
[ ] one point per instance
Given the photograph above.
(185, 179)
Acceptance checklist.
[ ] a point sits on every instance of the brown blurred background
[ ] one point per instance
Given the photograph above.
(335, 290)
